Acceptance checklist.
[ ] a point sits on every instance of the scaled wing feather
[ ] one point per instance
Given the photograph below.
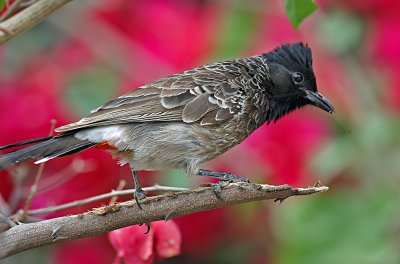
(209, 92)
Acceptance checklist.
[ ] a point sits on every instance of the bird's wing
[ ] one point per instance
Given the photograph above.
(210, 94)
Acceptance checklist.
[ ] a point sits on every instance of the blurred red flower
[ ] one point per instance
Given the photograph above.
(177, 32)
(89, 250)
(204, 230)
(287, 145)
(372, 8)
(136, 247)
(393, 94)
(385, 41)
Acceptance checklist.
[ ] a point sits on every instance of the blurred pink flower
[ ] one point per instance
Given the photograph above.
(136, 247)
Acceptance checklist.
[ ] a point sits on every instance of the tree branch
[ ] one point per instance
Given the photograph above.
(111, 194)
(104, 219)
(28, 18)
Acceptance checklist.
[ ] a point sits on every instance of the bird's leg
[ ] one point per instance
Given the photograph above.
(139, 193)
(224, 177)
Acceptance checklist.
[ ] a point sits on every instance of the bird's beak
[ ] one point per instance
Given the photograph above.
(319, 100)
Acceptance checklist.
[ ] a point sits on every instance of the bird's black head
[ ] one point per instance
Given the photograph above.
(292, 81)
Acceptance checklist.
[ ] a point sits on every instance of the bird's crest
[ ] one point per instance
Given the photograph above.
(297, 54)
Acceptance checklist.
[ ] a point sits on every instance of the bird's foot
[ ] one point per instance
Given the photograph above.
(231, 178)
(226, 178)
(217, 188)
(140, 196)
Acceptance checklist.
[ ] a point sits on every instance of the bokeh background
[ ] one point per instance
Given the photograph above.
(91, 51)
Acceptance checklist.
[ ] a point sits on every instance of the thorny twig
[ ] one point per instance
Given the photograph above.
(121, 186)
(18, 177)
(37, 179)
(7, 220)
(76, 167)
(4, 208)
(113, 193)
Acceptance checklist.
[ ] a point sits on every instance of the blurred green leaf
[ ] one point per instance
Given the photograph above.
(369, 150)
(238, 253)
(335, 157)
(33, 43)
(237, 31)
(353, 226)
(341, 32)
(36, 255)
(91, 88)
(177, 178)
(297, 10)
(2, 2)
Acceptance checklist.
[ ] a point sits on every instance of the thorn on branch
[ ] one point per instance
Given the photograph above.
(318, 184)
(55, 236)
(280, 200)
(148, 227)
(169, 215)
(54, 233)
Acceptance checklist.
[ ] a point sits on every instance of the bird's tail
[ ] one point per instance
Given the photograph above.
(43, 149)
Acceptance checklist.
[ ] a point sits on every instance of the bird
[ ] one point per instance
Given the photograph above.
(186, 119)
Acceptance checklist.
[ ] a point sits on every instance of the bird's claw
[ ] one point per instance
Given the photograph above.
(148, 227)
(217, 188)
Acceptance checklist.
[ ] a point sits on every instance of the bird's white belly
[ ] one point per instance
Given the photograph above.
(154, 146)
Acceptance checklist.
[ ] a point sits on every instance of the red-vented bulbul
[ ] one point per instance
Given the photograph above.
(188, 118)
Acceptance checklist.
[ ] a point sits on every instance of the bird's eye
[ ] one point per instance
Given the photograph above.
(297, 77)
